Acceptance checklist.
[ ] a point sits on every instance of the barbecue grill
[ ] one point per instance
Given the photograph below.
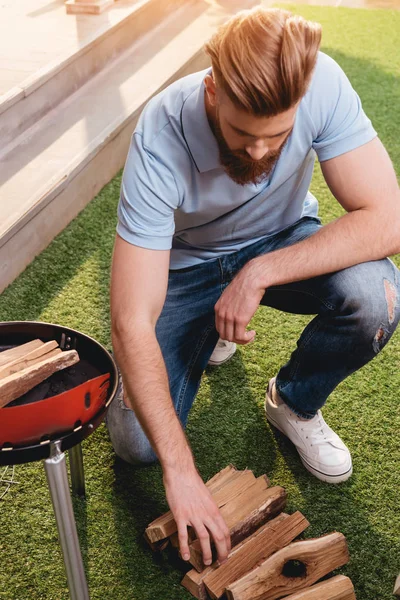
(55, 417)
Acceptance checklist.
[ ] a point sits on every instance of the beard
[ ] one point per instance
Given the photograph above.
(237, 163)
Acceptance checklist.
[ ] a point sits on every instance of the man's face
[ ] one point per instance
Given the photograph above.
(249, 146)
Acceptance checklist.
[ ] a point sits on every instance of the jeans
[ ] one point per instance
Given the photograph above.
(357, 311)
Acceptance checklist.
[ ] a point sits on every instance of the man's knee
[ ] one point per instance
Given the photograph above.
(136, 454)
(370, 294)
(127, 437)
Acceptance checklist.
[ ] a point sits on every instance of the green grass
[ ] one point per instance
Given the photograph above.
(68, 284)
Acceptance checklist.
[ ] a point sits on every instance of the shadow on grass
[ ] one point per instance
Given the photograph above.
(255, 444)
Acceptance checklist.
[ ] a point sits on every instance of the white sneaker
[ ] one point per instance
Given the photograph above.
(321, 450)
(223, 351)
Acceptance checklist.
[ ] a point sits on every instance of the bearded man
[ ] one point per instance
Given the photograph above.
(215, 218)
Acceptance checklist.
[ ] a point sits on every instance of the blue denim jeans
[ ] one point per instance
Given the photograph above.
(357, 311)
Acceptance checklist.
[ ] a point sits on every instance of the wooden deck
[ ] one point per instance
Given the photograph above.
(34, 33)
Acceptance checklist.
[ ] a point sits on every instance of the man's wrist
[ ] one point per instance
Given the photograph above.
(257, 273)
(181, 462)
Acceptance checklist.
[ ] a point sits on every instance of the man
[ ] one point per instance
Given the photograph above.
(215, 218)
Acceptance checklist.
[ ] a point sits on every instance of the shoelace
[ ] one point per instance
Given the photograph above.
(323, 436)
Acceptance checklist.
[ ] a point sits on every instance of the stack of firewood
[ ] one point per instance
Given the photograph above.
(27, 365)
(264, 563)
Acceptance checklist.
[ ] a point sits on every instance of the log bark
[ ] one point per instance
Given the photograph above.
(9, 355)
(337, 588)
(268, 581)
(269, 538)
(244, 514)
(223, 486)
(31, 358)
(16, 385)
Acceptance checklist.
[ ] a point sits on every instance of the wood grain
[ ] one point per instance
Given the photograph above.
(194, 581)
(244, 514)
(10, 355)
(337, 588)
(269, 538)
(320, 556)
(16, 385)
(29, 359)
(224, 486)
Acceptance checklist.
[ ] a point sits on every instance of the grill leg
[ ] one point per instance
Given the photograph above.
(76, 470)
(56, 472)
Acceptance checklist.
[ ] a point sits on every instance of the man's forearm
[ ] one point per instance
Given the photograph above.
(146, 381)
(356, 237)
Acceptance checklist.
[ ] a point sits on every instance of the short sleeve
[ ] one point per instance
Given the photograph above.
(148, 199)
(340, 122)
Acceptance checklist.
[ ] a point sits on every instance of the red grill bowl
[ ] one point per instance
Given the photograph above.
(27, 429)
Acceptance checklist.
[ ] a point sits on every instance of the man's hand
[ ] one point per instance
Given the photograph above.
(237, 305)
(192, 505)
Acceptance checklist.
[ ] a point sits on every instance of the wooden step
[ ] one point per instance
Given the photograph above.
(23, 106)
(78, 147)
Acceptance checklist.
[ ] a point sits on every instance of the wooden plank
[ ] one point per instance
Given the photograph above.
(396, 590)
(269, 538)
(77, 7)
(222, 486)
(220, 478)
(156, 546)
(16, 385)
(238, 484)
(244, 514)
(337, 588)
(193, 581)
(31, 358)
(9, 355)
(252, 508)
(270, 580)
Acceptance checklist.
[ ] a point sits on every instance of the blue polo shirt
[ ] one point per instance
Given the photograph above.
(176, 195)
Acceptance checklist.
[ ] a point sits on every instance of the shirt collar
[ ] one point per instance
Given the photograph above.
(197, 132)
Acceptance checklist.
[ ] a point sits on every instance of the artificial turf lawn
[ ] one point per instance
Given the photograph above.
(68, 284)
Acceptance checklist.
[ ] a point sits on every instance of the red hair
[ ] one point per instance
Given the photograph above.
(263, 59)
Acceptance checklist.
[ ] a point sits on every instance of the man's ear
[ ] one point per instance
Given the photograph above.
(211, 89)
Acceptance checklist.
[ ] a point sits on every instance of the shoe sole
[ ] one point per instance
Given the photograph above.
(318, 474)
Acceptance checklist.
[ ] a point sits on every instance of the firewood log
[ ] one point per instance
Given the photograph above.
(337, 588)
(244, 514)
(194, 581)
(156, 546)
(224, 486)
(269, 538)
(16, 385)
(13, 353)
(31, 358)
(273, 579)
